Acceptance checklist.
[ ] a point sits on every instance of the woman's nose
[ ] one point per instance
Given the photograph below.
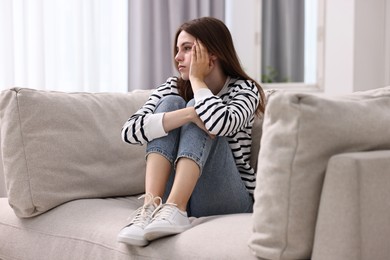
(178, 57)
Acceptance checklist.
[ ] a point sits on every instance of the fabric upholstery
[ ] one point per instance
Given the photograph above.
(87, 229)
(3, 192)
(58, 147)
(300, 133)
(354, 214)
(61, 146)
(257, 131)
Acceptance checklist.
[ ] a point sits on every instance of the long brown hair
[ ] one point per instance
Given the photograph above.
(214, 34)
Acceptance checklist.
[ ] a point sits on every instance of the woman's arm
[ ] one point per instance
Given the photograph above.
(180, 117)
(224, 118)
(144, 126)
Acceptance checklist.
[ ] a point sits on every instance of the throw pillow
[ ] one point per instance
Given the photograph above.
(60, 146)
(300, 133)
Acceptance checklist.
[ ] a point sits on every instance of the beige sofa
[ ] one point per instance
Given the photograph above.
(322, 192)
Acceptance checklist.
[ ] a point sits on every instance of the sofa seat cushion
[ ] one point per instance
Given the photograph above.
(87, 229)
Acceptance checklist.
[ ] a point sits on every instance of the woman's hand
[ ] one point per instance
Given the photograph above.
(201, 65)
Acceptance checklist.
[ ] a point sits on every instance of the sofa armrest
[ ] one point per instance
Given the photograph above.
(354, 213)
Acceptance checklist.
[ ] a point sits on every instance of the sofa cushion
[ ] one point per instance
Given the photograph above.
(300, 133)
(60, 146)
(257, 132)
(87, 229)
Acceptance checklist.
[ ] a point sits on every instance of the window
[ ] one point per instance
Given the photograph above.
(66, 45)
(284, 41)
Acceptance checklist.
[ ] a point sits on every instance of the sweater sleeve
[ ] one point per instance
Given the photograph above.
(224, 116)
(141, 129)
(145, 125)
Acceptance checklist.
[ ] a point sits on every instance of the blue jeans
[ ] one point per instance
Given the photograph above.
(219, 189)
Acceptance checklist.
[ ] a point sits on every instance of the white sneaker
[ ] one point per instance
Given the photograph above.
(133, 234)
(167, 220)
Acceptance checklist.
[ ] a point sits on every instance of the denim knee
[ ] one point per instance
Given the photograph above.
(167, 145)
(170, 103)
(191, 103)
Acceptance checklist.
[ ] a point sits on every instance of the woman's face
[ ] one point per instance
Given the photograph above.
(185, 41)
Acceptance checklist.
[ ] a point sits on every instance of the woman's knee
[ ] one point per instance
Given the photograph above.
(191, 103)
(170, 103)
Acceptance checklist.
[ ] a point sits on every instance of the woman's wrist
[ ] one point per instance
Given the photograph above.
(192, 115)
(197, 83)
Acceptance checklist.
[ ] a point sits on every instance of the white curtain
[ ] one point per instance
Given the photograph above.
(67, 45)
(152, 27)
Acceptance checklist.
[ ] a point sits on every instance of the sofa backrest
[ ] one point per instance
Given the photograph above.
(59, 146)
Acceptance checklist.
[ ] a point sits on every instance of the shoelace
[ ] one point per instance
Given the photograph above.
(143, 215)
(163, 211)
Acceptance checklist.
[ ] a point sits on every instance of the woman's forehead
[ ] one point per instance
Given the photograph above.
(184, 37)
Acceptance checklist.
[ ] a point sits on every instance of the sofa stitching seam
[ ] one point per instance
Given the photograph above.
(24, 149)
(290, 178)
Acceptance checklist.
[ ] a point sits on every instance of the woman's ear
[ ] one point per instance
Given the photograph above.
(213, 57)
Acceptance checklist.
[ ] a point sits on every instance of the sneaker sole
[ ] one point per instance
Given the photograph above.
(132, 241)
(158, 232)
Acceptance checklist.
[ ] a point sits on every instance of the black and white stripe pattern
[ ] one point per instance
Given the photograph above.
(230, 114)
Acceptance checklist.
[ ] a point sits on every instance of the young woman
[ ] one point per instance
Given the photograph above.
(198, 133)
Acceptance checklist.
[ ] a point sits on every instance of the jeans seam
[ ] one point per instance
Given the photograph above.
(161, 152)
(195, 159)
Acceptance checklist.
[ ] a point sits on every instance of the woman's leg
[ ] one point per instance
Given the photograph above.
(161, 152)
(185, 178)
(220, 189)
(194, 145)
(206, 180)
(171, 218)
(157, 174)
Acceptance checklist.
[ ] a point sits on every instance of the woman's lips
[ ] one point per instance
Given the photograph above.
(181, 68)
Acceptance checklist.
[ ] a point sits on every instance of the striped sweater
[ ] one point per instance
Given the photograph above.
(230, 113)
